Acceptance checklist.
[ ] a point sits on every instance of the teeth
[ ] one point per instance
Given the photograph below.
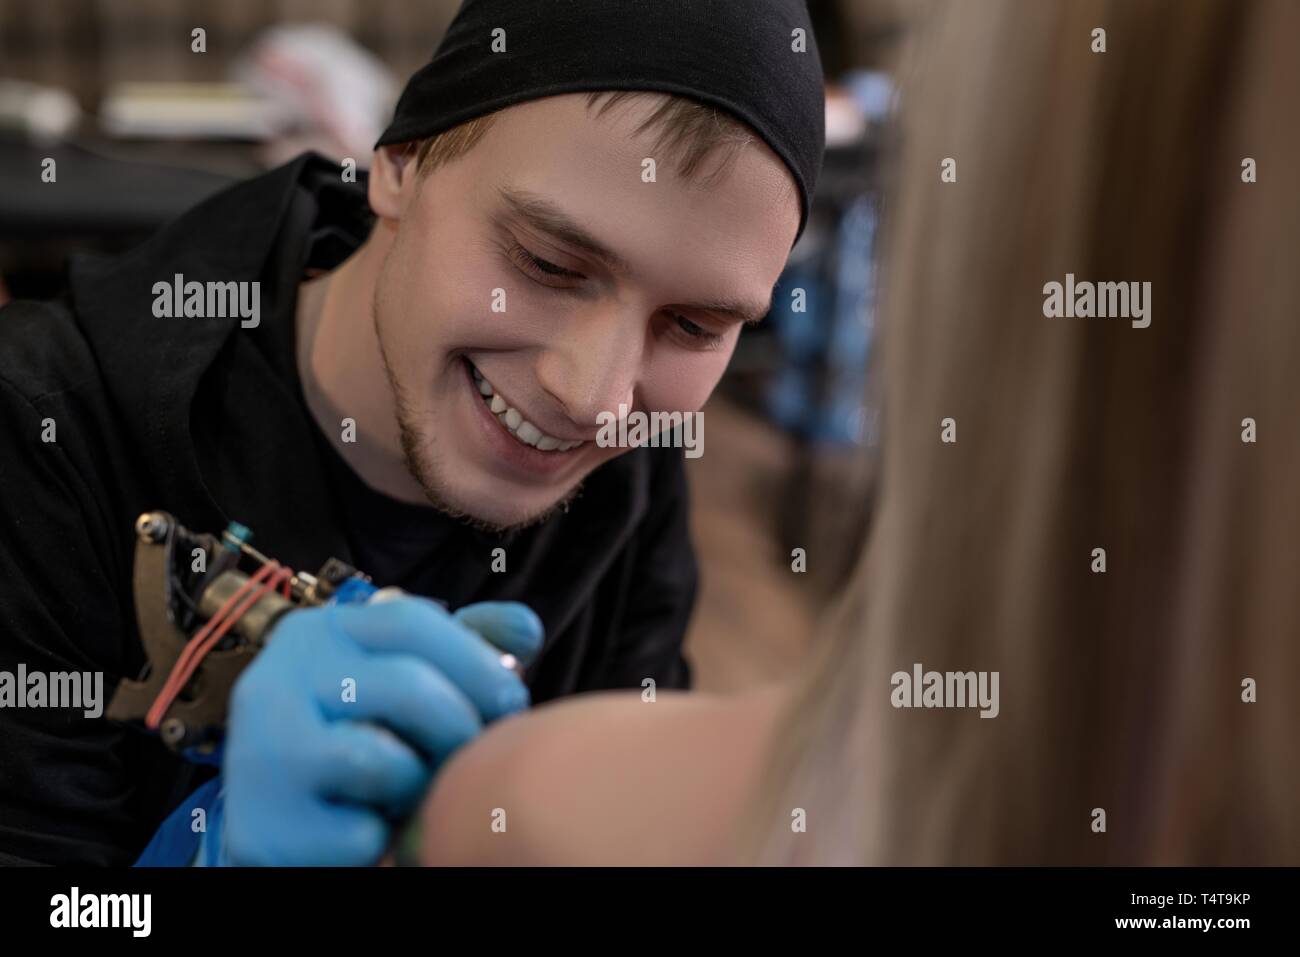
(515, 423)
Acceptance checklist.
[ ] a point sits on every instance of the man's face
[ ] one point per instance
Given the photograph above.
(481, 283)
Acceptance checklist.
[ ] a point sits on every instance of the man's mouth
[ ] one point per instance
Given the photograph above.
(514, 422)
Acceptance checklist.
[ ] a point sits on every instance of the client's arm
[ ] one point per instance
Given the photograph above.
(605, 779)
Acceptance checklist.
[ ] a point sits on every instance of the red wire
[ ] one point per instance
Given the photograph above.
(186, 662)
(265, 579)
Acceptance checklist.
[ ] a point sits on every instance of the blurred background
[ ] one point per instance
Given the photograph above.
(144, 118)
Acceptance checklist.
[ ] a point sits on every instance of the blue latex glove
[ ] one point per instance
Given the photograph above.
(312, 778)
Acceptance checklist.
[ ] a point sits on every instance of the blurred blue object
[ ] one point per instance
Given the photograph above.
(852, 326)
(818, 393)
(873, 91)
(798, 322)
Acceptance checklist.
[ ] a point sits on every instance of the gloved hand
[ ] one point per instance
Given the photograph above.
(317, 766)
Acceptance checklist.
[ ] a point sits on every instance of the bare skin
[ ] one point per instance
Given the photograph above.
(387, 339)
(606, 780)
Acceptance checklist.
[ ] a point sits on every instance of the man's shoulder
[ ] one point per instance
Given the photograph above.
(43, 354)
(53, 399)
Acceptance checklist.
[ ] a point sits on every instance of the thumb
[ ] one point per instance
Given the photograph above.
(511, 626)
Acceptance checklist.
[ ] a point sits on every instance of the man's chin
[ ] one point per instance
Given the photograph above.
(481, 503)
(491, 516)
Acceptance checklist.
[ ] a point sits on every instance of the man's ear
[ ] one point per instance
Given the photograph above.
(392, 177)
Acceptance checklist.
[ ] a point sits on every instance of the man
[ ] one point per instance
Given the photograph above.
(421, 397)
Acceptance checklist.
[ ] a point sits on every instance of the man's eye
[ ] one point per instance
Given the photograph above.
(690, 328)
(695, 332)
(549, 268)
(538, 267)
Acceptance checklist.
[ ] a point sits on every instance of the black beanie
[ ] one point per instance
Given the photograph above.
(741, 56)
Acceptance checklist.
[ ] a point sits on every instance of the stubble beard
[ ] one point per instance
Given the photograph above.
(420, 454)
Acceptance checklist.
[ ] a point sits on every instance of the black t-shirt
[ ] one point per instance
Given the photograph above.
(394, 542)
(107, 410)
(413, 547)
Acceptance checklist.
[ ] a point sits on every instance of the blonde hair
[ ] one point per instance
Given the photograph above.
(688, 133)
(1123, 690)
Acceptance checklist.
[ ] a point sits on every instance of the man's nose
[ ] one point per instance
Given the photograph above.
(592, 366)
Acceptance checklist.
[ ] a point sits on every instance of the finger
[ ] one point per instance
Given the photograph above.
(318, 834)
(509, 625)
(369, 764)
(409, 697)
(416, 627)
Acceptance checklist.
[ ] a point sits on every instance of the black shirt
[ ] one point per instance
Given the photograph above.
(413, 547)
(205, 419)
(394, 542)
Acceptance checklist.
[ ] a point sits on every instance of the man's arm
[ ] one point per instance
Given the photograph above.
(66, 794)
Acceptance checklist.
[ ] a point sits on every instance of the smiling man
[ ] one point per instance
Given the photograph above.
(535, 282)
(575, 210)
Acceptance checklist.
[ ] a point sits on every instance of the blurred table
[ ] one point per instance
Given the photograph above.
(101, 196)
(105, 197)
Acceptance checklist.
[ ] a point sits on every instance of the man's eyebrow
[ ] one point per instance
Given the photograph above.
(544, 215)
(748, 311)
